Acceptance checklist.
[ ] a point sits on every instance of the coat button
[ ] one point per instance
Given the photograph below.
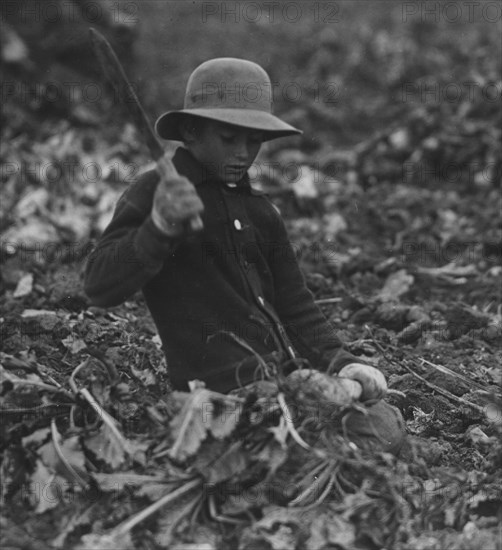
(238, 225)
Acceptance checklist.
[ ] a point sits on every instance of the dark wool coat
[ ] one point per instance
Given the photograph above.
(218, 294)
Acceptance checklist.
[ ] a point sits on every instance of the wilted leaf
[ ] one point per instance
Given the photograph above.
(47, 489)
(153, 487)
(224, 418)
(495, 375)
(36, 438)
(145, 375)
(204, 411)
(232, 462)
(73, 454)
(279, 529)
(33, 234)
(154, 491)
(13, 472)
(74, 345)
(171, 517)
(449, 273)
(202, 537)
(44, 319)
(333, 224)
(331, 531)
(477, 436)
(304, 186)
(280, 432)
(212, 450)
(32, 202)
(94, 541)
(421, 421)
(15, 536)
(37, 313)
(107, 447)
(67, 526)
(273, 455)
(13, 49)
(396, 285)
(10, 379)
(73, 221)
(118, 481)
(24, 286)
(189, 427)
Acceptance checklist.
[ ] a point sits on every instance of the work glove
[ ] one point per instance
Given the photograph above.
(176, 207)
(373, 382)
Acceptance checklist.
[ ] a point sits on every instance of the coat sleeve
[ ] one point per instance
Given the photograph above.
(131, 250)
(311, 334)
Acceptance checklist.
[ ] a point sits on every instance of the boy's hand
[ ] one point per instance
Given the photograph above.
(371, 379)
(175, 203)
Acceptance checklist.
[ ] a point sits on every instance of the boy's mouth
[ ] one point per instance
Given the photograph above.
(235, 171)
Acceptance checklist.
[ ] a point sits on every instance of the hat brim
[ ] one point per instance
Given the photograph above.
(167, 125)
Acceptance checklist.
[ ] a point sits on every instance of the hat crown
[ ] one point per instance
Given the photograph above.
(229, 83)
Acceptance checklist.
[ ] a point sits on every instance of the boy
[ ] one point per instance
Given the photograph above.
(231, 289)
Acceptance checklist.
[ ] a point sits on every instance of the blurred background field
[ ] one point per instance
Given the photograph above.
(355, 66)
(344, 72)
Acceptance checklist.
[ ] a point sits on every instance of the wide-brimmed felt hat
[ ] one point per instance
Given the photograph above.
(226, 89)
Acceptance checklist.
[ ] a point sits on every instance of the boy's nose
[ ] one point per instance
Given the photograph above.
(241, 150)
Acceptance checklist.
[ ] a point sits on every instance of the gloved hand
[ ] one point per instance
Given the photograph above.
(372, 380)
(175, 203)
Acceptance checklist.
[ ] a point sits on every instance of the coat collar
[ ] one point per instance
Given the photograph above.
(188, 166)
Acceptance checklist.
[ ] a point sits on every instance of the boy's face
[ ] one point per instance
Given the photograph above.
(226, 151)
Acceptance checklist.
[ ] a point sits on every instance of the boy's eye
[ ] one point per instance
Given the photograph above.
(252, 138)
(256, 138)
